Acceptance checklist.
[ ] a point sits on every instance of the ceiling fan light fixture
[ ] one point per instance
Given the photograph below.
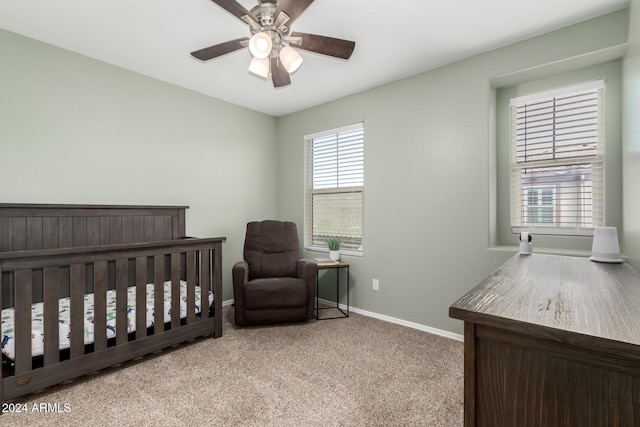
(259, 67)
(290, 59)
(260, 45)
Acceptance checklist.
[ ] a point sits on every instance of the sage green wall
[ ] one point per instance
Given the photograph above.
(631, 141)
(77, 130)
(428, 172)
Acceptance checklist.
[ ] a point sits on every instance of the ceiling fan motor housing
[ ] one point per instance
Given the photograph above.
(264, 12)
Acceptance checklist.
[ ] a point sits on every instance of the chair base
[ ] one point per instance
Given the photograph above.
(272, 316)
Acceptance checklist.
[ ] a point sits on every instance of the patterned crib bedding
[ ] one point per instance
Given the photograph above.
(37, 317)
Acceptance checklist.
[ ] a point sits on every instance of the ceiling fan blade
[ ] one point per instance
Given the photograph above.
(293, 8)
(324, 45)
(236, 9)
(279, 75)
(220, 49)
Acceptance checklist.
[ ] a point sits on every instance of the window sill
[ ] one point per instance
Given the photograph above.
(342, 251)
(544, 250)
(554, 231)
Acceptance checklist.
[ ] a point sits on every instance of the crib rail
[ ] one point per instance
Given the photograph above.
(47, 275)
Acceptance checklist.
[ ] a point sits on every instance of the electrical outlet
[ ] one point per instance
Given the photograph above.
(376, 285)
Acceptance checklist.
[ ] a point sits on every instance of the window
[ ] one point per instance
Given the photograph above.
(334, 189)
(557, 151)
(540, 205)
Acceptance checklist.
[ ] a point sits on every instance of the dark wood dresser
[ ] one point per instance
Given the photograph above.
(552, 341)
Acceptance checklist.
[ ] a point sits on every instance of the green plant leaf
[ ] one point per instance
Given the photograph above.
(334, 243)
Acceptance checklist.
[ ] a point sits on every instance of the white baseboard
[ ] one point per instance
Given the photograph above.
(389, 319)
(397, 321)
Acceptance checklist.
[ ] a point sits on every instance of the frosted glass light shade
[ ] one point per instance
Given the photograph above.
(260, 45)
(259, 67)
(290, 59)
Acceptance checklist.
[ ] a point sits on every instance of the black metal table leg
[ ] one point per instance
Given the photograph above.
(337, 266)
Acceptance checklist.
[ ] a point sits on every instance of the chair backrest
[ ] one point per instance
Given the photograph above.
(271, 248)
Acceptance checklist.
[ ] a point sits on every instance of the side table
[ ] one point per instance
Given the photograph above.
(336, 266)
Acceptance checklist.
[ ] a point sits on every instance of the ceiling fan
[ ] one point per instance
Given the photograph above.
(272, 40)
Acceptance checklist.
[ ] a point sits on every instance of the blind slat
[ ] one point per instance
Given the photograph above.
(557, 161)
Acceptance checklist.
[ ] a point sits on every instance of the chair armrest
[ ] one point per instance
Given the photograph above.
(308, 271)
(240, 275)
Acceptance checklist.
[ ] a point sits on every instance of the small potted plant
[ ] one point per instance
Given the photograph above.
(334, 244)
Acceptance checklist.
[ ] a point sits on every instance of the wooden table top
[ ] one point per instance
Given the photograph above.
(338, 264)
(559, 293)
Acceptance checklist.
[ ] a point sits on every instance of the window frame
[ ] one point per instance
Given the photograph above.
(517, 204)
(309, 191)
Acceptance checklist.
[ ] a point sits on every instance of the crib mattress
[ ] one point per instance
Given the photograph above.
(37, 317)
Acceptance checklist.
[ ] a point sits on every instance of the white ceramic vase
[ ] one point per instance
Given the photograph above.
(334, 255)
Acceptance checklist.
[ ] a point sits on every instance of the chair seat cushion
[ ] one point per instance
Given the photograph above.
(275, 292)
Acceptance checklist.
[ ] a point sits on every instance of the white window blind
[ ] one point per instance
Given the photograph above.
(557, 151)
(334, 196)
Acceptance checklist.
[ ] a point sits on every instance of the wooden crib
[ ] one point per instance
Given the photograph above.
(65, 255)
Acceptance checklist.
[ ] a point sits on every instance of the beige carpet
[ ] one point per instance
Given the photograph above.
(345, 372)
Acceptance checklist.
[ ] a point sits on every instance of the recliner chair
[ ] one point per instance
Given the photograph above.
(273, 284)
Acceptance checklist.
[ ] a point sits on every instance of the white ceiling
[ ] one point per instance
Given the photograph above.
(394, 39)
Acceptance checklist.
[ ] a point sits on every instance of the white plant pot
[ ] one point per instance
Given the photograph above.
(334, 255)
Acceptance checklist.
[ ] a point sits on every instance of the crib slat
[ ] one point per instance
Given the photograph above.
(175, 290)
(191, 283)
(17, 234)
(158, 229)
(79, 230)
(205, 262)
(216, 280)
(22, 318)
(115, 230)
(138, 229)
(51, 316)
(100, 305)
(127, 229)
(122, 277)
(141, 297)
(76, 272)
(105, 232)
(65, 232)
(93, 231)
(149, 228)
(158, 294)
(167, 231)
(34, 233)
(5, 236)
(50, 232)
